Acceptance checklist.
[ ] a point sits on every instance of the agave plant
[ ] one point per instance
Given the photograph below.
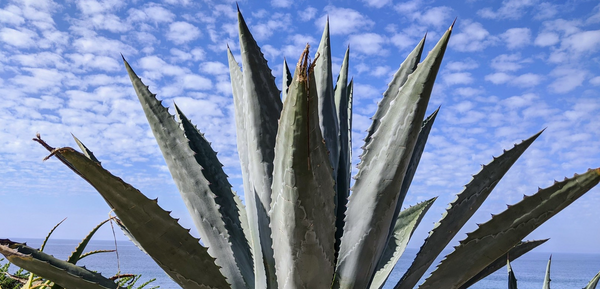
(512, 280)
(300, 226)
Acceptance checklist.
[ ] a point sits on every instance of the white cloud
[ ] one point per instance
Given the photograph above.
(11, 15)
(462, 65)
(595, 81)
(567, 79)
(196, 82)
(527, 80)
(101, 45)
(380, 71)
(367, 43)
(516, 37)
(546, 10)
(457, 78)
(377, 3)
(307, 13)
(182, 32)
(469, 91)
(407, 6)
(214, 68)
(546, 39)
(402, 41)
(520, 101)
(281, 3)
(471, 37)
(94, 7)
(498, 77)
(344, 20)
(153, 12)
(510, 9)
(276, 22)
(23, 38)
(585, 41)
(507, 62)
(435, 16)
(89, 61)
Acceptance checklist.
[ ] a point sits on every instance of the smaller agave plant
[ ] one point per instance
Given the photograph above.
(300, 226)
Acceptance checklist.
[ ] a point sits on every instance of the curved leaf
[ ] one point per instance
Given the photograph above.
(512, 280)
(60, 272)
(206, 194)
(594, 282)
(461, 210)
(302, 211)
(381, 172)
(514, 253)
(497, 236)
(286, 80)
(547, 276)
(407, 222)
(172, 247)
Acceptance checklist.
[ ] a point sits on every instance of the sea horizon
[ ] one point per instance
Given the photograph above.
(569, 270)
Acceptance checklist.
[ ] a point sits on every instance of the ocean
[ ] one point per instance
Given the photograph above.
(567, 271)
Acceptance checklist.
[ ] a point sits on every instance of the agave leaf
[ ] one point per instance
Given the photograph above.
(88, 153)
(50, 234)
(59, 271)
(406, 68)
(381, 172)
(413, 164)
(460, 210)
(328, 121)
(76, 255)
(255, 221)
(94, 252)
(172, 247)
(512, 280)
(497, 236)
(206, 194)
(514, 253)
(228, 206)
(130, 236)
(547, 276)
(287, 80)
(343, 104)
(302, 211)
(407, 222)
(594, 282)
(262, 107)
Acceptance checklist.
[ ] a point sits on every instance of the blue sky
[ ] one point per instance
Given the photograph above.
(512, 68)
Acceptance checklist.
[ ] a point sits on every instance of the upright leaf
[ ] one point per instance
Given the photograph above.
(594, 282)
(343, 104)
(286, 80)
(302, 211)
(497, 236)
(328, 121)
(381, 172)
(206, 194)
(262, 108)
(172, 247)
(512, 280)
(405, 226)
(406, 68)
(60, 272)
(547, 276)
(461, 210)
(252, 201)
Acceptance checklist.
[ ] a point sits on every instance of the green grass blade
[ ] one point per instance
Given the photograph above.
(406, 68)
(461, 210)
(497, 236)
(50, 234)
(205, 200)
(262, 108)
(381, 172)
(407, 222)
(302, 211)
(172, 247)
(256, 215)
(60, 272)
(514, 253)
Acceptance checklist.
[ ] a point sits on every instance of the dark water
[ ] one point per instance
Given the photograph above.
(568, 270)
